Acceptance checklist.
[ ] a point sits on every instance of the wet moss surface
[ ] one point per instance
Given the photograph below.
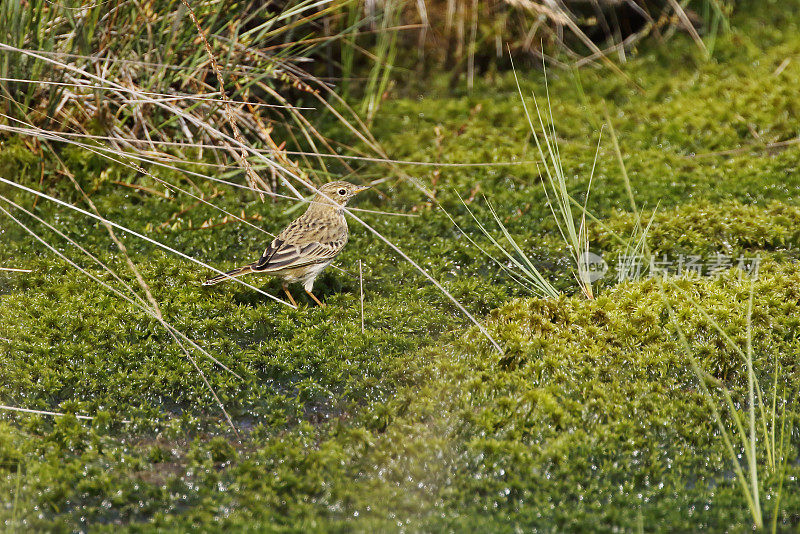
(591, 419)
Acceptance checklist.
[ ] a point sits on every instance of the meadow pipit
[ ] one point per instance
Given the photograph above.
(308, 245)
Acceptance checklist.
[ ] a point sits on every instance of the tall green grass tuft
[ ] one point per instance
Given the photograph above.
(572, 226)
(573, 232)
(35, 26)
(386, 49)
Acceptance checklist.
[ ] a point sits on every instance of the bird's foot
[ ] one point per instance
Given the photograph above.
(288, 294)
(319, 302)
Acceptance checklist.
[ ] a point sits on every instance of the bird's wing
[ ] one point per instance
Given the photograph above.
(280, 255)
(299, 245)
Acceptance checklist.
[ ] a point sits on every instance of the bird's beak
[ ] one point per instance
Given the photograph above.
(363, 188)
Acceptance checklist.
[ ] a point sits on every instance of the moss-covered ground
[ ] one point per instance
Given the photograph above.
(591, 420)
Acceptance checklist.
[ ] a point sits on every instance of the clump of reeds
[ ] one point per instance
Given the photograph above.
(465, 35)
(140, 79)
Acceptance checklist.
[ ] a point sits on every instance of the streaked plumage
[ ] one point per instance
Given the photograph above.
(308, 245)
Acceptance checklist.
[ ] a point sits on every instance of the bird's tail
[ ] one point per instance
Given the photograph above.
(239, 271)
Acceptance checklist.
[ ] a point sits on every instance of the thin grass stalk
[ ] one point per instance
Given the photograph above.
(784, 464)
(625, 178)
(687, 24)
(252, 177)
(772, 457)
(626, 268)
(174, 336)
(471, 49)
(47, 412)
(140, 302)
(386, 51)
(512, 274)
(701, 376)
(575, 239)
(584, 233)
(752, 492)
(599, 53)
(642, 247)
(347, 51)
(716, 22)
(137, 234)
(431, 279)
(157, 96)
(752, 407)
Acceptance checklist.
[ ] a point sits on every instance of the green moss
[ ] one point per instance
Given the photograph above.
(590, 420)
(706, 228)
(599, 417)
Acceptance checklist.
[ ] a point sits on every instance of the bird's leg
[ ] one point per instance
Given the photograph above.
(288, 294)
(320, 303)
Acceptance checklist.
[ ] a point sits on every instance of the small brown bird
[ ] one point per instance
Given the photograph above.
(308, 245)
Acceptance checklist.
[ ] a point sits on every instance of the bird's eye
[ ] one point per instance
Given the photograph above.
(342, 192)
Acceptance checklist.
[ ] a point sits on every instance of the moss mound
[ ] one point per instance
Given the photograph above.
(591, 419)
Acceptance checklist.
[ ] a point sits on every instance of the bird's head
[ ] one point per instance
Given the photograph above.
(338, 193)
